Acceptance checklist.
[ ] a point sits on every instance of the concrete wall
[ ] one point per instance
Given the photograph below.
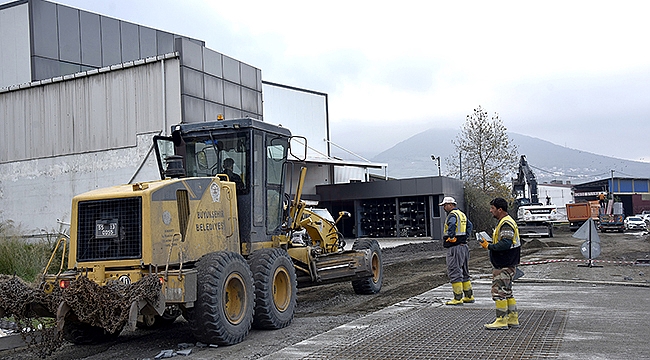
(35, 193)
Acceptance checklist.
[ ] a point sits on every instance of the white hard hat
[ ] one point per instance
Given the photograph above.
(448, 200)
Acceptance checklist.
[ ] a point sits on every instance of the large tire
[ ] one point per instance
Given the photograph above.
(223, 311)
(372, 284)
(275, 288)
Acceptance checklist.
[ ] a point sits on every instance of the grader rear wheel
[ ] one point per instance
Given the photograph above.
(372, 284)
(148, 322)
(223, 311)
(80, 333)
(155, 321)
(275, 288)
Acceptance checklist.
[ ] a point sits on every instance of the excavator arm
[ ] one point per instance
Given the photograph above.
(525, 176)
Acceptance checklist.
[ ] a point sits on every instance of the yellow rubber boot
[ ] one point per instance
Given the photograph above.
(501, 323)
(469, 293)
(513, 314)
(457, 287)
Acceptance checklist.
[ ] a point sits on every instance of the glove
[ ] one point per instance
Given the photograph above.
(484, 244)
(451, 240)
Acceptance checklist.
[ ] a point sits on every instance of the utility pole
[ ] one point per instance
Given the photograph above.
(611, 187)
(460, 164)
(434, 158)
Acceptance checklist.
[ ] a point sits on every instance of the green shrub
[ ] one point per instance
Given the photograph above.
(24, 258)
(477, 203)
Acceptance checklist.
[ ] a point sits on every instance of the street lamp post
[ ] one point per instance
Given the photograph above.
(436, 158)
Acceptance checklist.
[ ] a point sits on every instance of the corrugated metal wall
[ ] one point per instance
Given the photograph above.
(63, 137)
(94, 112)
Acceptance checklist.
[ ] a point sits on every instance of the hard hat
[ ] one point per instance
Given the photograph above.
(448, 200)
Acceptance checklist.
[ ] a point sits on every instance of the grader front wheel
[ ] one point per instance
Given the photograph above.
(223, 311)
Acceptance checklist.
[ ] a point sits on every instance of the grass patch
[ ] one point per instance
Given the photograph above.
(24, 258)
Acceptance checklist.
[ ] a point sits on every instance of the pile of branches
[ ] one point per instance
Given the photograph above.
(106, 307)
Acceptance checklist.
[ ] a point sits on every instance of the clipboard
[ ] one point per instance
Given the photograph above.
(483, 236)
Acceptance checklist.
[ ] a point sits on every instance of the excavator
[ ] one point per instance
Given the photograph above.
(533, 217)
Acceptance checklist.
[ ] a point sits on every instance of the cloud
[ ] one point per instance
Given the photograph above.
(575, 73)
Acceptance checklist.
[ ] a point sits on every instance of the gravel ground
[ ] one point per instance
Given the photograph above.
(409, 270)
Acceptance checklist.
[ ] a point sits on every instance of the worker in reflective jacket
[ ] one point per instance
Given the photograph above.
(505, 252)
(457, 228)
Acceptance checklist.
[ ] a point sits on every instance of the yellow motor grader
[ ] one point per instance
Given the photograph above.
(225, 242)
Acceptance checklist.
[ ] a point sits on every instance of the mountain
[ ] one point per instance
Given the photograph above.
(412, 158)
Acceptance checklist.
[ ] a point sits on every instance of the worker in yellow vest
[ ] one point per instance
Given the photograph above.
(505, 251)
(457, 229)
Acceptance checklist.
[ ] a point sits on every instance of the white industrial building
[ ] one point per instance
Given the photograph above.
(556, 193)
(82, 95)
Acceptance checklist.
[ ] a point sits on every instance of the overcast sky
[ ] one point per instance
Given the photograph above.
(575, 73)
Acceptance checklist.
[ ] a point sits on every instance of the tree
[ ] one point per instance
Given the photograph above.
(487, 158)
(488, 154)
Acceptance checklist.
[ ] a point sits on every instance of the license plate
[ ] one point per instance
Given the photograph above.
(105, 229)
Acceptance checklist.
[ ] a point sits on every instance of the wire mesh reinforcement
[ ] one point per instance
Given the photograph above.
(451, 333)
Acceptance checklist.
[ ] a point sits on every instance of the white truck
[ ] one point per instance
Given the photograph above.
(537, 220)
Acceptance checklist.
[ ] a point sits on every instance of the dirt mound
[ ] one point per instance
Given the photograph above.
(535, 244)
(413, 248)
(557, 244)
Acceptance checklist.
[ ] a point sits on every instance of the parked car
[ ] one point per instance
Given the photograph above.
(645, 217)
(634, 223)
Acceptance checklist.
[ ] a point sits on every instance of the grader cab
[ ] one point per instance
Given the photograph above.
(216, 234)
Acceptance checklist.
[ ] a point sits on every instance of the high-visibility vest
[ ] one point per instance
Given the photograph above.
(461, 223)
(510, 221)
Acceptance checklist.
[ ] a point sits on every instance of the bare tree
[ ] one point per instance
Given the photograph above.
(487, 158)
(486, 152)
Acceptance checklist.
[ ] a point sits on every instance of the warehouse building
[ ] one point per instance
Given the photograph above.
(82, 95)
(634, 193)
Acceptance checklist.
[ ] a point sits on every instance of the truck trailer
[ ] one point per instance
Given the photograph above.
(578, 213)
